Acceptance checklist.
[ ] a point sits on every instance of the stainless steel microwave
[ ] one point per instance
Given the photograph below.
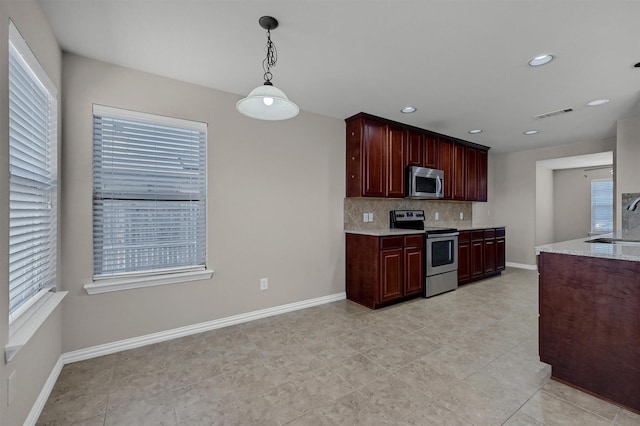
(424, 183)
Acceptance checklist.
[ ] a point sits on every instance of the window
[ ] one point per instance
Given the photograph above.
(602, 205)
(32, 178)
(149, 194)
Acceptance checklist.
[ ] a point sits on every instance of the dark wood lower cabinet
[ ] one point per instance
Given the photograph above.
(481, 254)
(590, 324)
(384, 270)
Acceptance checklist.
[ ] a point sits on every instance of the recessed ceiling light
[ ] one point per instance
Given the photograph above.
(408, 109)
(531, 132)
(540, 60)
(597, 102)
(475, 131)
(637, 65)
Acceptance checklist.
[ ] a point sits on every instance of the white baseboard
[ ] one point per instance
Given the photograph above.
(522, 266)
(38, 406)
(148, 339)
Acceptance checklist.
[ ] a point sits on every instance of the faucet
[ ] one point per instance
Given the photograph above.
(634, 205)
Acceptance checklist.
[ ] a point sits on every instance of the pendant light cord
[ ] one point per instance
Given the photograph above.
(270, 60)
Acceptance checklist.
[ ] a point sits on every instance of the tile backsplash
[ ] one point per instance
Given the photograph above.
(630, 220)
(448, 211)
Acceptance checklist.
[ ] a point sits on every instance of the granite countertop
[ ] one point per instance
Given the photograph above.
(384, 232)
(474, 228)
(581, 247)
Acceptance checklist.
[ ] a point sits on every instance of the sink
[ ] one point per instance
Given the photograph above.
(614, 241)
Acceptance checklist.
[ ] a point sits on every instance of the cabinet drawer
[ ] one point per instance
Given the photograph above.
(413, 240)
(477, 235)
(391, 242)
(500, 232)
(489, 233)
(464, 236)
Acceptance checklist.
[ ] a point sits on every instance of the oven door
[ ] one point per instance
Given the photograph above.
(442, 253)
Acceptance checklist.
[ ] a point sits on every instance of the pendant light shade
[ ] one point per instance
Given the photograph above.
(267, 102)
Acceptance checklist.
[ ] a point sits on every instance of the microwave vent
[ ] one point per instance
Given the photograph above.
(553, 113)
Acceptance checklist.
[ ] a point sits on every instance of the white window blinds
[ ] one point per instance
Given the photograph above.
(149, 193)
(32, 177)
(602, 205)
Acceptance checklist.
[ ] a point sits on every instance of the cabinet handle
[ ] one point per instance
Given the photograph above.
(353, 158)
(353, 176)
(353, 133)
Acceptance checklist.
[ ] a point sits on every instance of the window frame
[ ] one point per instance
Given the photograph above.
(147, 278)
(29, 67)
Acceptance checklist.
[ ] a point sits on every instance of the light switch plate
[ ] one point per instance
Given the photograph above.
(437, 216)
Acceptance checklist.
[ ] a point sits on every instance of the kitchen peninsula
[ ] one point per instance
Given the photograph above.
(589, 315)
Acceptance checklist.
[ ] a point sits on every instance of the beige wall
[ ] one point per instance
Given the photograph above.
(544, 206)
(35, 361)
(572, 202)
(514, 196)
(627, 161)
(275, 207)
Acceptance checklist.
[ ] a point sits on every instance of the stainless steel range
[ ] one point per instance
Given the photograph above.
(441, 251)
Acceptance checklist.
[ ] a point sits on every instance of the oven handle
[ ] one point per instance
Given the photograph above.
(452, 234)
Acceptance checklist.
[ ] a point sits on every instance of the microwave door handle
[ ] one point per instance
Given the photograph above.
(438, 185)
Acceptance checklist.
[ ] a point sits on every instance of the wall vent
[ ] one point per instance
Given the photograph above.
(553, 113)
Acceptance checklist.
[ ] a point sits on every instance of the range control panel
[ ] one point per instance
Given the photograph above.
(406, 215)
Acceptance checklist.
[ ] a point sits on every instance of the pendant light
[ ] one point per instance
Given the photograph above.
(267, 102)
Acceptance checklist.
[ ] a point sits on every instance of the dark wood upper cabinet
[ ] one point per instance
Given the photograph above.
(395, 162)
(459, 169)
(374, 146)
(430, 151)
(445, 163)
(471, 161)
(415, 148)
(483, 167)
(379, 150)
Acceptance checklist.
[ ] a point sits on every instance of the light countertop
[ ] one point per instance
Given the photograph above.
(385, 232)
(581, 247)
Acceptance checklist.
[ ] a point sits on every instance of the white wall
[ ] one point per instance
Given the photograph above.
(572, 202)
(35, 361)
(627, 161)
(514, 200)
(275, 206)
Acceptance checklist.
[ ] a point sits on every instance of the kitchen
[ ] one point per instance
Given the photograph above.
(312, 145)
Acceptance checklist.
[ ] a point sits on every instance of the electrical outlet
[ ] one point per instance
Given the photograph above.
(371, 217)
(461, 215)
(264, 283)
(11, 387)
(365, 217)
(437, 216)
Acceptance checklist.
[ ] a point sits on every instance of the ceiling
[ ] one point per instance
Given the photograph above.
(461, 63)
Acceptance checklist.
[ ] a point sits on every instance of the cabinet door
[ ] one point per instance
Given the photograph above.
(464, 264)
(482, 174)
(500, 254)
(489, 256)
(445, 163)
(395, 162)
(458, 184)
(413, 270)
(477, 257)
(471, 165)
(391, 277)
(430, 149)
(374, 147)
(413, 151)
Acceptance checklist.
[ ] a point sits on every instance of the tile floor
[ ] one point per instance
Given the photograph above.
(467, 357)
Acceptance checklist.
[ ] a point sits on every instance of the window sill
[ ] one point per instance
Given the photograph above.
(119, 284)
(26, 330)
